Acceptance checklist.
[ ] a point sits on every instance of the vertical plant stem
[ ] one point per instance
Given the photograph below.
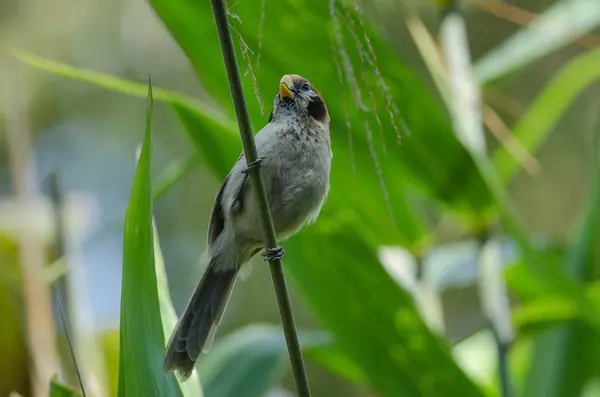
(503, 375)
(495, 305)
(71, 350)
(243, 119)
(60, 286)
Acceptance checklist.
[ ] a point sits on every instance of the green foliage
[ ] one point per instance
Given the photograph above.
(250, 359)
(373, 321)
(141, 340)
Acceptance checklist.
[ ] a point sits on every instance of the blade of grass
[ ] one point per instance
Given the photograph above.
(141, 336)
(71, 350)
(109, 82)
(120, 85)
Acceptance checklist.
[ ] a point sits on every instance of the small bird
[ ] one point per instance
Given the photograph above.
(294, 156)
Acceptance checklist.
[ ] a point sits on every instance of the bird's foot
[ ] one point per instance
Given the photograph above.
(254, 164)
(272, 254)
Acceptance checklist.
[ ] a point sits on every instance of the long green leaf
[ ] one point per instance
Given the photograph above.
(547, 109)
(391, 345)
(141, 335)
(558, 26)
(121, 85)
(112, 83)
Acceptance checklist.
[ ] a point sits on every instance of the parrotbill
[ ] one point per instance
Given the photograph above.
(295, 156)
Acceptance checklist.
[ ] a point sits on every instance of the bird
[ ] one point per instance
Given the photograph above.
(294, 159)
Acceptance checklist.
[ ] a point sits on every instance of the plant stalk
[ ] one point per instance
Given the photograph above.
(503, 348)
(243, 119)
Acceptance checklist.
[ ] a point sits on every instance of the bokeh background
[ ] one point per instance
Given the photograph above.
(402, 233)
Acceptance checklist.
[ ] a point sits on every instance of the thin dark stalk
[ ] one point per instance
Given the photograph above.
(71, 350)
(243, 119)
(503, 348)
(60, 287)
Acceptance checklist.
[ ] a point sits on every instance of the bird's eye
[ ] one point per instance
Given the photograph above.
(306, 86)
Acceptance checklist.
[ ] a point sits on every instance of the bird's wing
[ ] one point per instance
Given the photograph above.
(235, 188)
(217, 218)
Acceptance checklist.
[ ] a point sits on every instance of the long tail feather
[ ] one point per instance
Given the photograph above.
(196, 328)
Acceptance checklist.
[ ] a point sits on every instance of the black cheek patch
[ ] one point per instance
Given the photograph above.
(316, 108)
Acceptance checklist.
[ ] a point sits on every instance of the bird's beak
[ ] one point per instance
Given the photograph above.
(285, 87)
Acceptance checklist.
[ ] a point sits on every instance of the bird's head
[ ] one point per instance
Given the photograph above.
(297, 97)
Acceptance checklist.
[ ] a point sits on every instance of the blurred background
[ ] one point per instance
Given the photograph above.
(389, 288)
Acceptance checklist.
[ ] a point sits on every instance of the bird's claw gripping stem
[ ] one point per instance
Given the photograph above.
(272, 254)
(253, 164)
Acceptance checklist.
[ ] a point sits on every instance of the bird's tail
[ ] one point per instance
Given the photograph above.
(196, 328)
